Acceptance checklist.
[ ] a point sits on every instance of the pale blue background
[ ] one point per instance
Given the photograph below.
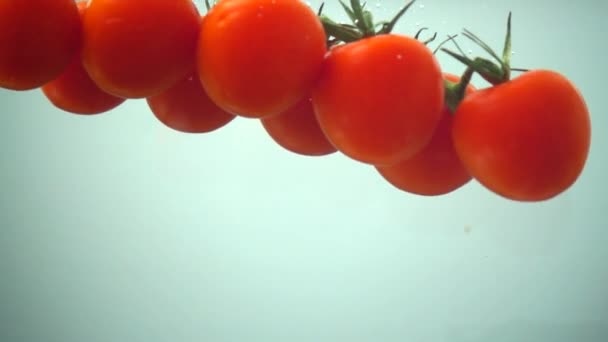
(116, 228)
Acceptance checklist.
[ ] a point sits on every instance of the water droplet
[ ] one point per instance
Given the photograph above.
(470, 51)
(421, 5)
(399, 56)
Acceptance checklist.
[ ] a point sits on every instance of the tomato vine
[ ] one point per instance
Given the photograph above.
(317, 85)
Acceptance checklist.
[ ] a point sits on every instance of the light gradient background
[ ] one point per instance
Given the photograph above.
(116, 228)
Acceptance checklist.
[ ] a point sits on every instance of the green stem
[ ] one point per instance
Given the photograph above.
(506, 53)
(209, 5)
(388, 27)
(341, 32)
(455, 92)
(494, 72)
(368, 21)
(363, 25)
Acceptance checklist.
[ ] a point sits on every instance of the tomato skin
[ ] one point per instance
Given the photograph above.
(436, 169)
(186, 107)
(38, 39)
(136, 49)
(257, 58)
(74, 91)
(527, 139)
(298, 131)
(379, 99)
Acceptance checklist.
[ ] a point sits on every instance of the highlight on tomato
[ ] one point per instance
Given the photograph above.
(317, 86)
(298, 131)
(380, 96)
(187, 108)
(137, 49)
(38, 39)
(257, 58)
(437, 168)
(74, 91)
(526, 138)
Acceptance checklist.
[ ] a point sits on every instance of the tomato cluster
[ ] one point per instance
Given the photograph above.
(316, 86)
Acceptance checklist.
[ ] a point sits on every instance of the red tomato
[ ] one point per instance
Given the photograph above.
(379, 99)
(75, 92)
(260, 57)
(136, 49)
(186, 107)
(436, 169)
(38, 39)
(527, 139)
(298, 131)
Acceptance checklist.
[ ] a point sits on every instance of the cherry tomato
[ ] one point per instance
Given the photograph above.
(298, 131)
(74, 91)
(136, 49)
(526, 139)
(436, 169)
(379, 99)
(185, 107)
(38, 39)
(260, 57)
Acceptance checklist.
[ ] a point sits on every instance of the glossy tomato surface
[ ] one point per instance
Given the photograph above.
(437, 168)
(74, 91)
(38, 39)
(185, 107)
(136, 49)
(527, 139)
(298, 131)
(380, 99)
(259, 57)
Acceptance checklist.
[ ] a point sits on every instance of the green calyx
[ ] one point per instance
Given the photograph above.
(362, 25)
(427, 41)
(494, 72)
(455, 92)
